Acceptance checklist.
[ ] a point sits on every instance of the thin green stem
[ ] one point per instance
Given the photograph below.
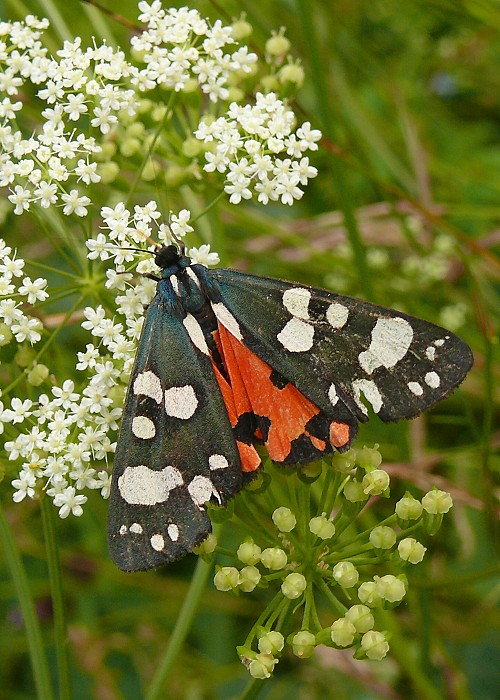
(181, 629)
(252, 690)
(326, 117)
(33, 632)
(60, 630)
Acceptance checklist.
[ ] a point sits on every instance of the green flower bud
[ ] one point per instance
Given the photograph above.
(274, 558)
(408, 508)
(368, 458)
(262, 666)
(383, 537)
(236, 94)
(292, 73)
(150, 170)
(278, 44)
(130, 146)
(249, 552)
(303, 644)
(6, 335)
(437, 502)
(192, 147)
(410, 550)
(207, 546)
(269, 83)
(293, 586)
(241, 28)
(108, 172)
(346, 574)
(390, 588)
(38, 375)
(284, 519)
(375, 645)
(271, 642)
(343, 632)
(322, 527)
(226, 579)
(343, 462)
(249, 578)
(25, 355)
(368, 594)
(361, 617)
(375, 482)
(354, 491)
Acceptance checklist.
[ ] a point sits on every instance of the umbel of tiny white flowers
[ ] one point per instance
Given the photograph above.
(313, 558)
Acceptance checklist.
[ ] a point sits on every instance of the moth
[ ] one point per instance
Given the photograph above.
(227, 360)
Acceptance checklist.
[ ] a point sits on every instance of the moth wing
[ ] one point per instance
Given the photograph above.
(176, 449)
(341, 351)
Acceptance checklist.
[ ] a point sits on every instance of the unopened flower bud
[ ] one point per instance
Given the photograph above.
(207, 546)
(375, 645)
(383, 537)
(437, 502)
(354, 491)
(368, 594)
(249, 579)
(284, 519)
(274, 558)
(262, 666)
(37, 375)
(303, 644)
(410, 550)
(390, 588)
(375, 482)
(293, 586)
(408, 508)
(322, 527)
(368, 458)
(226, 579)
(249, 552)
(271, 642)
(346, 574)
(361, 617)
(343, 632)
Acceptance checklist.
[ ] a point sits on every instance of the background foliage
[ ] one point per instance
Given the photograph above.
(404, 213)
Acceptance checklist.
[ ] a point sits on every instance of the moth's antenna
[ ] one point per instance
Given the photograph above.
(180, 242)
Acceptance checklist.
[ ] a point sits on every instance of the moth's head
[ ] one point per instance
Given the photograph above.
(167, 256)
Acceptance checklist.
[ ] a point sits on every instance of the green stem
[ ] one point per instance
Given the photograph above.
(181, 629)
(253, 689)
(323, 97)
(31, 622)
(60, 631)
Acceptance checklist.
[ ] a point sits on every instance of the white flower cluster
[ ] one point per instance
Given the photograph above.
(125, 230)
(179, 46)
(68, 431)
(14, 323)
(258, 150)
(77, 86)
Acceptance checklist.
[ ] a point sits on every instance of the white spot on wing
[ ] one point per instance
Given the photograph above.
(332, 394)
(296, 300)
(146, 487)
(415, 388)
(432, 379)
(173, 532)
(157, 542)
(194, 331)
(180, 401)
(218, 462)
(148, 384)
(337, 315)
(296, 336)
(123, 530)
(143, 427)
(430, 352)
(391, 338)
(371, 393)
(227, 319)
(201, 490)
(136, 528)
(439, 342)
